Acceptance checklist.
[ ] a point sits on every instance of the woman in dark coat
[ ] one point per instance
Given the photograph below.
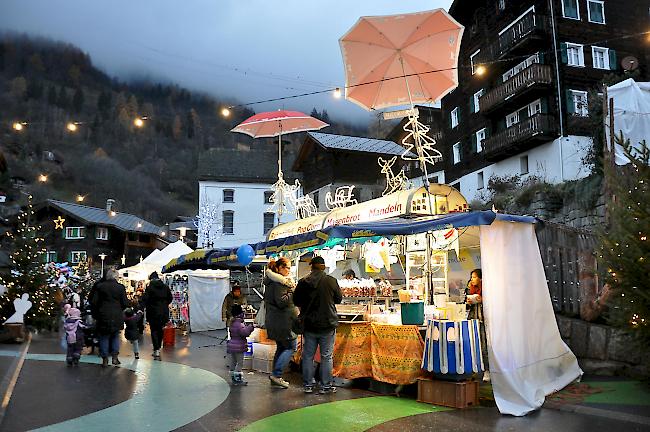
(156, 301)
(280, 313)
(108, 301)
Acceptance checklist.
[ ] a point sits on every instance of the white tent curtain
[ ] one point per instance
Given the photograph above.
(206, 294)
(631, 113)
(528, 358)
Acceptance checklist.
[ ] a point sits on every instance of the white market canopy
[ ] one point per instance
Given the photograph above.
(156, 260)
(631, 114)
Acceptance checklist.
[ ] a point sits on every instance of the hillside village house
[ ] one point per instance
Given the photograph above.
(237, 183)
(74, 232)
(328, 161)
(527, 71)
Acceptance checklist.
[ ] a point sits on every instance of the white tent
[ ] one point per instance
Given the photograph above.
(631, 114)
(156, 260)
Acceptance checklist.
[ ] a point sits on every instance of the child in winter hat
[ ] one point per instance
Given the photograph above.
(74, 335)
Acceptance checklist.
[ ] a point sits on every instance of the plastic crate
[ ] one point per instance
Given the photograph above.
(462, 394)
(263, 351)
(263, 365)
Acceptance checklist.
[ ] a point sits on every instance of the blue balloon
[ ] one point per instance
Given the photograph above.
(245, 254)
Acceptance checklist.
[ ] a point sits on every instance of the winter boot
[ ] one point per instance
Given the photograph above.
(233, 378)
(116, 361)
(104, 362)
(240, 378)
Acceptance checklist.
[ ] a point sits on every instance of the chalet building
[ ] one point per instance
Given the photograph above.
(235, 184)
(527, 70)
(74, 233)
(328, 161)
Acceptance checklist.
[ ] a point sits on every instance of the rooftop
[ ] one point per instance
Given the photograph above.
(99, 216)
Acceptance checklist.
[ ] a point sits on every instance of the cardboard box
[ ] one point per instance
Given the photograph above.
(262, 365)
(263, 351)
(453, 394)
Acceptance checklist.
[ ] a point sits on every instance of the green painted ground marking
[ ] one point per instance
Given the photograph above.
(166, 397)
(352, 415)
(619, 393)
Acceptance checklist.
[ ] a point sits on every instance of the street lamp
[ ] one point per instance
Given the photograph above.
(103, 257)
(138, 122)
(72, 127)
(42, 178)
(19, 126)
(225, 112)
(80, 198)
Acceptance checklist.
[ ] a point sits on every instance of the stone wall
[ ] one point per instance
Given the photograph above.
(573, 213)
(603, 350)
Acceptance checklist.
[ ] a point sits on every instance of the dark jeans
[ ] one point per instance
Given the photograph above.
(284, 351)
(74, 351)
(109, 344)
(311, 341)
(156, 335)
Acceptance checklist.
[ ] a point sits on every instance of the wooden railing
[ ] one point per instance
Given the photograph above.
(533, 74)
(539, 124)
(529, 23)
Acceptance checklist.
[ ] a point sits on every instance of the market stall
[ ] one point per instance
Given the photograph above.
(528, 359)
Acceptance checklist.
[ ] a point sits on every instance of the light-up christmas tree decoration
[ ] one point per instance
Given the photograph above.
(625, 249)
(28, 274)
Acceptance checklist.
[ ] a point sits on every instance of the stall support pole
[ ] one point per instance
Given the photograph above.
(428, 298)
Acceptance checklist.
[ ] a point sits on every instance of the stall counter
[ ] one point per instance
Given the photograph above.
(383, 352)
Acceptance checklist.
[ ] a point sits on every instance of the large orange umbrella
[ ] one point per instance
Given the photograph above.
(401, 59)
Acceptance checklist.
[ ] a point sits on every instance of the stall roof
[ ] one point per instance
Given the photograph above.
(227, 257)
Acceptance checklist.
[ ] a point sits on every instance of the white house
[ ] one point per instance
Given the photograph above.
(235, 184)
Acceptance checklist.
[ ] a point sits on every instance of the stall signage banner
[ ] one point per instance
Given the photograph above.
(300, 226)
(377, 209)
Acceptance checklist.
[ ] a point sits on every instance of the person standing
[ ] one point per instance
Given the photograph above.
(280, 313)
(156, 300)
(474, 300)
(109, 301)
(73, 327)
(317, 295)
(238, 344)
(234, 297)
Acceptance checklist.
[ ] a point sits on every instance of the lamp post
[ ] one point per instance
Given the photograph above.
(103, 257)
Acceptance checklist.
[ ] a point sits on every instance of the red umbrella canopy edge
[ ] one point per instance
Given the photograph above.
(275, 123)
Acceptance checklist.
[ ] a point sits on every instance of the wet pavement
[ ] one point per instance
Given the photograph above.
(187, 391)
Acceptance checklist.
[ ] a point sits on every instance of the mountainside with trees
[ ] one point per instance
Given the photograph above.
(149, 168)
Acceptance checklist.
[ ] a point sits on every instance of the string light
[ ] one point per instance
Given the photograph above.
(337, 93)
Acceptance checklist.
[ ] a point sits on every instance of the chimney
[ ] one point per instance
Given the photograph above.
(110, 205)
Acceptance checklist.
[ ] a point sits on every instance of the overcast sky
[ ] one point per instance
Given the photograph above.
(250, 50)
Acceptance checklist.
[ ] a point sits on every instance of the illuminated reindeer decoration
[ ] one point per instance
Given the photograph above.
(393, 182)
(342, 197)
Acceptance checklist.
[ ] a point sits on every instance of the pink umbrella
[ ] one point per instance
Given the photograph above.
(278, 123)
(401, 59)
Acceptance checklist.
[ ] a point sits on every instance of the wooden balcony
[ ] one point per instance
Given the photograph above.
(534, 75)
(527, 28)
(520, 137)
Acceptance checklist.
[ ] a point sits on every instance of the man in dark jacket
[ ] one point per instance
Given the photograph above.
(234, 297)
(316, 295)
(156, 300)
(108, 300)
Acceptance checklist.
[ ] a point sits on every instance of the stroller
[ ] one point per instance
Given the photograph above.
(90, 338)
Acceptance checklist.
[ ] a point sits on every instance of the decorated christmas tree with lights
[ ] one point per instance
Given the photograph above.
(625, 246)
(81, 282)
(28, 275)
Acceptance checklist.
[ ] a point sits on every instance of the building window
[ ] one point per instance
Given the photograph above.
(454, 118)
(77, 256)
(50, 256)
(579, 100)
(269, 222)
(600, 57)
(512, 119)
(435, 179)
(228, 222)
(456, 151)
(523, 165)
(480, 136)
(575, 55)
(75, 232)
(501, 4)
(228, 195)
(596, 11)
(316, 199)
(521, 66)
(535, 108)
(268, 197)
(570, 9)
(472, 62)
(102, 233)
(479, 180)
(476, 98)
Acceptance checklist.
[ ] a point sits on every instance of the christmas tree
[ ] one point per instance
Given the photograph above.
(28, 274)
(81, 281)
(625, 253)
